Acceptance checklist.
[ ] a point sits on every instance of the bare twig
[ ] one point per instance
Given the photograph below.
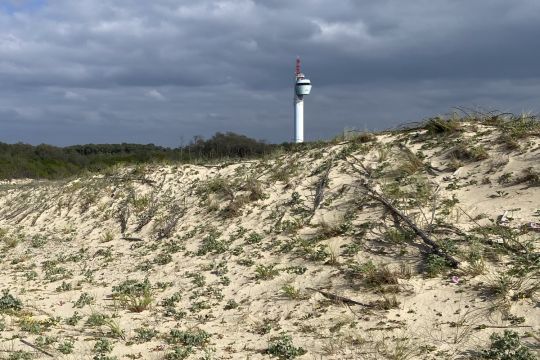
(132, 239)
(35, 347)
(427, 240)
(321, 186)
(338, 298)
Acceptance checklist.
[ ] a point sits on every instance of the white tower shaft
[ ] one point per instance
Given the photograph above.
(298, 119)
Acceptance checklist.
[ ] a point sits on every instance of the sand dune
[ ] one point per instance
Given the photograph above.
(223, 261)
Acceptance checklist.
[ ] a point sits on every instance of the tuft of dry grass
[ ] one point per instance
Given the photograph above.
(467, 152)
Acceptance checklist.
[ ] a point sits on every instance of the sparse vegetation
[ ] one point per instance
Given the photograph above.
(283, 348)
(196, 261)
(9, 303)
(507, 346)
(134, 295)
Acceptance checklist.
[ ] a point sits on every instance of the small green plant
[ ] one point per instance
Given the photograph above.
(66, 347)
(144, 335)
(379, 277)
(283, 348)
(163, 259)
(84, 299)
(507, 346)
(30, 275)
(46, 341)
(529, 176)
(196, 338)
(505, 178)
(9, 303)
(254, 238)
(136, 296)
(231, 304)
(435, 265)
(291, 292)
(263, 272)
(197, 279)
(33, 326)
(64, 287)
(20, 355)
(97, 319)
(500, 194)
(37, 241)
(103, 346)
(179, 353)
(107, 237)
(172, 300)
(212, 244)
(73, 319)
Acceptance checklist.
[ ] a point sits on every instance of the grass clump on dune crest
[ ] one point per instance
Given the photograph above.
(439, 126)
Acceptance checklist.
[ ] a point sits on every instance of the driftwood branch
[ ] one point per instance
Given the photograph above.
(502, 326)
(176, 212)
(338, 298)
(131, 239)
(36, 348)
(321, 186)
(425, 238)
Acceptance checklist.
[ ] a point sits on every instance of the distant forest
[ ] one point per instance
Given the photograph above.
(51, 162)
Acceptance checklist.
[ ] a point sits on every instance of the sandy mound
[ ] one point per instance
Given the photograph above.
(289, 256)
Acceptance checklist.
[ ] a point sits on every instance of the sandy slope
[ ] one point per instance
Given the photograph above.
(241, 246)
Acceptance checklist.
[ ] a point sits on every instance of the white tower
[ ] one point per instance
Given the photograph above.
(302, 86)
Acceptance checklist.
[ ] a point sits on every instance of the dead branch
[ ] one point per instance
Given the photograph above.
(427, 240)
(132, 239)
(502, 326)
(321, 186)
(338, 298)
(35, 347)
(176, 213)
(142, 179)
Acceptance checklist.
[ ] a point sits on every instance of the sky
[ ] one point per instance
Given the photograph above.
(163, 71)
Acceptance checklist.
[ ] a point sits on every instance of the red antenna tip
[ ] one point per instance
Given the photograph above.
(298, 66)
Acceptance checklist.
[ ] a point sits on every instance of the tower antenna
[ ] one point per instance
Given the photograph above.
(298, 66)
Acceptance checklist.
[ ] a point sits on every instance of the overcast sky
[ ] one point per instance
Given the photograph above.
(162, 71)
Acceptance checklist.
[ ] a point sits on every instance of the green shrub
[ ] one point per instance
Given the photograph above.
(197, 338)
(263, 272)
(136, 296)
(84, 299)
(212, 244)
(179, 353)
(283, 348)
(103, 346)
(97, 319)
(66, 347)
(144, 335)
(9, 303)
(435, 265)
(74, 319)
(20, 355)
(254, 238)
(507, 346)
(231, 304)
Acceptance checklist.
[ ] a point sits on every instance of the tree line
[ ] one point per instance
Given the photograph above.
(52, 162)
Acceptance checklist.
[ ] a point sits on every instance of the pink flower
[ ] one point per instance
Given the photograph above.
(455, 279)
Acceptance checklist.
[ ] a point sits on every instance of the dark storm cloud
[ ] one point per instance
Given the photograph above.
(163, 71)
